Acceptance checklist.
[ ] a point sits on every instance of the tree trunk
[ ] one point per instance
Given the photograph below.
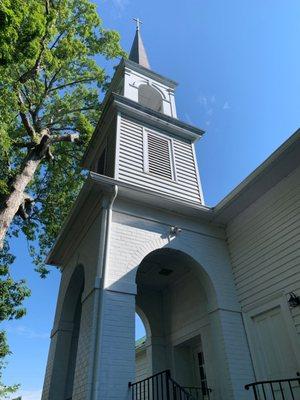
(14, 200)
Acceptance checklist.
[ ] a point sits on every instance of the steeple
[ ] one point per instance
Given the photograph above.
(139, 139)
(138, 53)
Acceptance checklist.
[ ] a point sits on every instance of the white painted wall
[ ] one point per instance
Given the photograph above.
(86, 254)
(141, 365)
(264, 247)
(187, 325)
(135, 232)
(185, 307)
(133, 237)
(134, 79)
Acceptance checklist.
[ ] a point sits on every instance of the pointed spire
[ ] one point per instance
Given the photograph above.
(138, 53)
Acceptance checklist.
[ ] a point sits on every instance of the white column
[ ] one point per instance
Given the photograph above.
(232, 361)
(57, 365)
(117, 346)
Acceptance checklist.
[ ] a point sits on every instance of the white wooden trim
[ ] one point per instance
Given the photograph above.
(172, 159)
(117, 148)
(197, 174)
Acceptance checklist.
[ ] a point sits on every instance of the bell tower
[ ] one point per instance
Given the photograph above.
(139, 139)
(138, 228)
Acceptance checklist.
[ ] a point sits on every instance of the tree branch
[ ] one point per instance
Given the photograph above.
(32, 71)
(72, 22)
(27, 145)
(25, 94)
(64, 113)
(57, 39)
(25, 207)
(71, 83)
(65, 128)
(30, 130)
(52, 80)
(69, 137)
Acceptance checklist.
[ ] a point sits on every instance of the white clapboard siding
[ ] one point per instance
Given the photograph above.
(131, 164)
(264, 243)
(141, 365)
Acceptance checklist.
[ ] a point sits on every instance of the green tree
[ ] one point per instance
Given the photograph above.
(49, 104)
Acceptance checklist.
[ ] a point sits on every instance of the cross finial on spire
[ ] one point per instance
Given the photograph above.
(138, 53)
(138, 23)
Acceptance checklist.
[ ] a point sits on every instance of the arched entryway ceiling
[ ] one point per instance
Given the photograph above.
(162, 267)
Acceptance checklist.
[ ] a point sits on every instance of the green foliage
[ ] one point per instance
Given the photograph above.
(22, 24)
(5, 391)
(58, 81)
(49, 80)
(12, 293)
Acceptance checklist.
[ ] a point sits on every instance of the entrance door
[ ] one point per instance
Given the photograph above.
(274, 351)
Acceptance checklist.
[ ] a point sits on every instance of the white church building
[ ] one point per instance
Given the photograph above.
(217, 288)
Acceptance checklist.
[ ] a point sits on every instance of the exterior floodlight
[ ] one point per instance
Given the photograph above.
(174, 230)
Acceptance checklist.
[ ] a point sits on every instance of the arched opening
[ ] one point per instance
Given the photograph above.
(173, 293)
(141, 344)
(150, 97)
(140, 330)
(67, 338)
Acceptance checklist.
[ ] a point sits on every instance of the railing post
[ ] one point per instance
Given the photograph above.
(255, 393)
(168, 376)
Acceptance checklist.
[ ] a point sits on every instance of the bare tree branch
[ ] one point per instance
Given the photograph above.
(27, 145)
(65, 128)
(52, 80)
(30, 130)
(72, 83)
(25, 207)
(25, 94)
(63, 114)
(69, 137)
(57, 39)
(73, 20)
(32, 71)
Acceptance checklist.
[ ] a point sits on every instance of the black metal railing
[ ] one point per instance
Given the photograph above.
(160, 387)
(198, 393)
(178, 392)
(281, 389)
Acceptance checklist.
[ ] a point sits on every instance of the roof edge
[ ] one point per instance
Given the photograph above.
(148, 72)
(277, 160)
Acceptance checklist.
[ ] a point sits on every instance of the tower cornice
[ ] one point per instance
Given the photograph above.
(147, 72)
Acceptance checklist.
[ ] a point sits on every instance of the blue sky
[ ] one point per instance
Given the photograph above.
(237, 64)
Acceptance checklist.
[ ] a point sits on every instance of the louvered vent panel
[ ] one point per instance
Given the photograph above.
(159, 156)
